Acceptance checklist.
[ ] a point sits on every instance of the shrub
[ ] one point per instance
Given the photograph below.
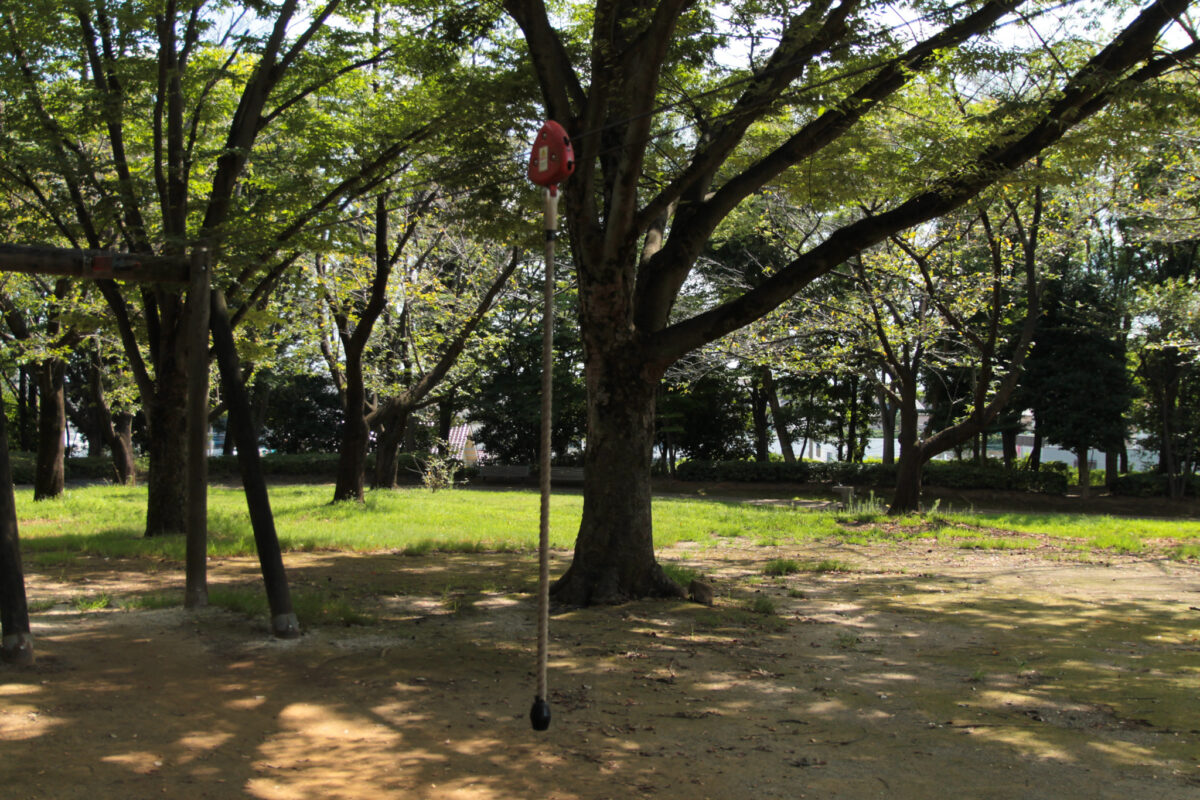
(1150, 484)
(947, 474)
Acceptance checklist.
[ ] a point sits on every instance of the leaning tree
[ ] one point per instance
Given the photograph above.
(669, 141)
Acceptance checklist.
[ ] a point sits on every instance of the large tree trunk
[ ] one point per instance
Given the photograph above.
(166, 415)
(49, 472)
(614, 552)
(352, 452)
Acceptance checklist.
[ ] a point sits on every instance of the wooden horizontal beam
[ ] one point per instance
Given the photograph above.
(93, 264)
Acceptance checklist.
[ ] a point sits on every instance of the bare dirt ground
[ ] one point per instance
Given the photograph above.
(923, 672)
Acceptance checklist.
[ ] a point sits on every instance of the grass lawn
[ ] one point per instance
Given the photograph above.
(107, 521)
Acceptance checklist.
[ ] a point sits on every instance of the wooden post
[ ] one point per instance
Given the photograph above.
(16, 646)
(196, 591)
(283, 619)
(93, 264)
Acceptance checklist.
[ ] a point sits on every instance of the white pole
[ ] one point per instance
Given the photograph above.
(539, 715)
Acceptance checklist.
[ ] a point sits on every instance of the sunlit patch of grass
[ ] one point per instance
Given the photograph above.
(312, 608)
(1120, 541)
(151, 601)
(782, 566)
(1091, 528)
(679, 573)
(975, 539)
(992, 543)
(91, 602)
(761, 604)
(1185, 552)
(710, 521)
(108, 521)
(827, 565)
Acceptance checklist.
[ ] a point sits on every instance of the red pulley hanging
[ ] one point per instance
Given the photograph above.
(552, 159)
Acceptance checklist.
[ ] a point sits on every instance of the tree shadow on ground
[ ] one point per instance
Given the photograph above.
(913, 686)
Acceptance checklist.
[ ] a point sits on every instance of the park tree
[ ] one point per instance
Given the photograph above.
(1076, 378)
(103, 401)
(505, 402)
(668, 142)
(47, 320)
(154, 129)
(1167, 353)
(431, 288)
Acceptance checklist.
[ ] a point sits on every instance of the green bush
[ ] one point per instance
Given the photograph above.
(1151, 484)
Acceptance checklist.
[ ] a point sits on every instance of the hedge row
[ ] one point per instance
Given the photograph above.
(946, 474)
(1151, 484)
(315, 466)
(76, 469)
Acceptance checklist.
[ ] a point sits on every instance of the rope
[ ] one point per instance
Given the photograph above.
(539, 715)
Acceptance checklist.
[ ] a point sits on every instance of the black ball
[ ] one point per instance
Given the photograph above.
(539, 715)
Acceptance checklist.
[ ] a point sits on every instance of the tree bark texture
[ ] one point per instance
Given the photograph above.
(352, 451)
(907, 497)
(614, 552)
(387, 451)
(166, 488)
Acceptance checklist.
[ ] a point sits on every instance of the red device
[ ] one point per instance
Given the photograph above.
(552, 159)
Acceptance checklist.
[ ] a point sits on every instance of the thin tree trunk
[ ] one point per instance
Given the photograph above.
(116, 431)
(777, 416)
(50, 471)
(121, 447)
(1008, 440)
(907, 496)
(27, 404)
(1035, 452)
(283, 619)
(387, 449)
(352, 452)
(1112, 459)
(852, 451)
(758, 413)
(887, 424)
(1085, 473)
